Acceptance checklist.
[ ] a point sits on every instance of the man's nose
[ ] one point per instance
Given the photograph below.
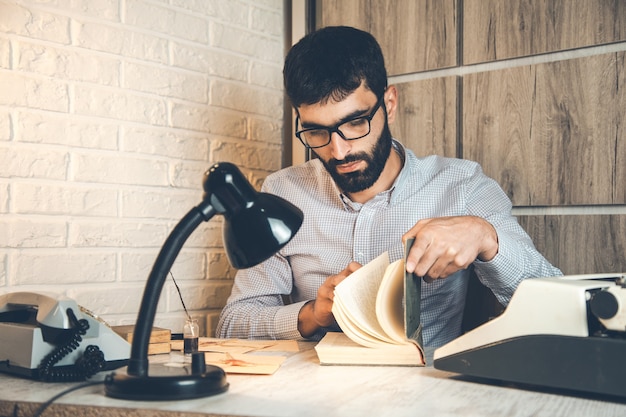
(339, 146)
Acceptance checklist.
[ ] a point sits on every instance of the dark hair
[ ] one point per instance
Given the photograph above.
(331, 63)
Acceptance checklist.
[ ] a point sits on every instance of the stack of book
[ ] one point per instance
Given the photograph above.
(160, 339)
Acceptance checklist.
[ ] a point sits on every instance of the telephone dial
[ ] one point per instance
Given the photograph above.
(51, 338)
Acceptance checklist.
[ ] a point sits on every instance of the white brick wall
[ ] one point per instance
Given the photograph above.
(110, 112)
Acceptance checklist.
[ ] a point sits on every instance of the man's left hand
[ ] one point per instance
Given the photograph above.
(445, 245)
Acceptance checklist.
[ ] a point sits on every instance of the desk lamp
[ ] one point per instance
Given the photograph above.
(256, 225)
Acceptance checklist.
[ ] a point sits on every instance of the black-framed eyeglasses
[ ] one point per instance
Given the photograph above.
(356, 128)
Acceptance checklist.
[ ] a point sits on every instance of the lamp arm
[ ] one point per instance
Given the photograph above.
(227, 192)
(138, 362)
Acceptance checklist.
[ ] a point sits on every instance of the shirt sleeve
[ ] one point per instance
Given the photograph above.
(256, 307)
(517, 258)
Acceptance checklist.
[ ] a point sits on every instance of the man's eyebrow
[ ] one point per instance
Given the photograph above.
(350, 116)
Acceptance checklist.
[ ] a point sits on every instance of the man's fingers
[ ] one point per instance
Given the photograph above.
(416, 254)
(352, 266)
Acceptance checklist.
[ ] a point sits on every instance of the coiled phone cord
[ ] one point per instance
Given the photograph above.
(86, 366)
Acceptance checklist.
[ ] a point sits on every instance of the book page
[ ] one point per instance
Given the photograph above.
(352, 330)
(389, 307)
(356, 296)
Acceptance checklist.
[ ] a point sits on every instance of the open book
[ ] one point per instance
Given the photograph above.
(378, 309)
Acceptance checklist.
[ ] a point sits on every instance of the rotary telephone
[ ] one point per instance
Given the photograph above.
(51, 338)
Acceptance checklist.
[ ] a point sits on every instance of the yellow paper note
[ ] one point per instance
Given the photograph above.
(238, 346)
(244, 363)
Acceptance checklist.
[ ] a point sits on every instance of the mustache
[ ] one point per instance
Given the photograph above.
(333, 163)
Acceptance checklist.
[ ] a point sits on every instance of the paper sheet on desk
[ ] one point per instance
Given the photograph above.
(244, 363)
(237, 356)
(206, 344)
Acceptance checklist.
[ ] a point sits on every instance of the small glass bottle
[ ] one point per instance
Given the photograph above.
(191, 332)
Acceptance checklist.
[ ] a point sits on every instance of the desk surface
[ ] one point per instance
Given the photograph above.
(301, 387)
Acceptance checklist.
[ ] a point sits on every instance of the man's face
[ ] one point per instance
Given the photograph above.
(354, 165)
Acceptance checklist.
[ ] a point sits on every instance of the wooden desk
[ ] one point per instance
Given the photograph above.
(301, 387)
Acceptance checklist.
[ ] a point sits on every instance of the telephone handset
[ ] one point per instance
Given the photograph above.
(50, 337)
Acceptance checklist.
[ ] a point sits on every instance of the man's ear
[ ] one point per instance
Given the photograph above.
(391, 102)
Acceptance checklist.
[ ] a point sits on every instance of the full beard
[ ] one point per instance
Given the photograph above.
(375, 161)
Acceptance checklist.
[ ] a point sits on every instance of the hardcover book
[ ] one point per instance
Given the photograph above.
(377, 308)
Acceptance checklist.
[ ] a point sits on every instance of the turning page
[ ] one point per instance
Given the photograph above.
(354, 306)
(390, 302)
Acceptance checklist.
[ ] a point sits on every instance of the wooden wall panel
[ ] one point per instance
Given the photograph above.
(550, 134)
(496, 29)
(415, 35)
(426, 120)
(356, 13)
(580, 244)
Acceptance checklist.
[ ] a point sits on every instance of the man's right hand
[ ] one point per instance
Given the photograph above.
(318, 313)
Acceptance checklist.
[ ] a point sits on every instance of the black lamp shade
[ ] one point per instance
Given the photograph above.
(256, 225)
(257, 232)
